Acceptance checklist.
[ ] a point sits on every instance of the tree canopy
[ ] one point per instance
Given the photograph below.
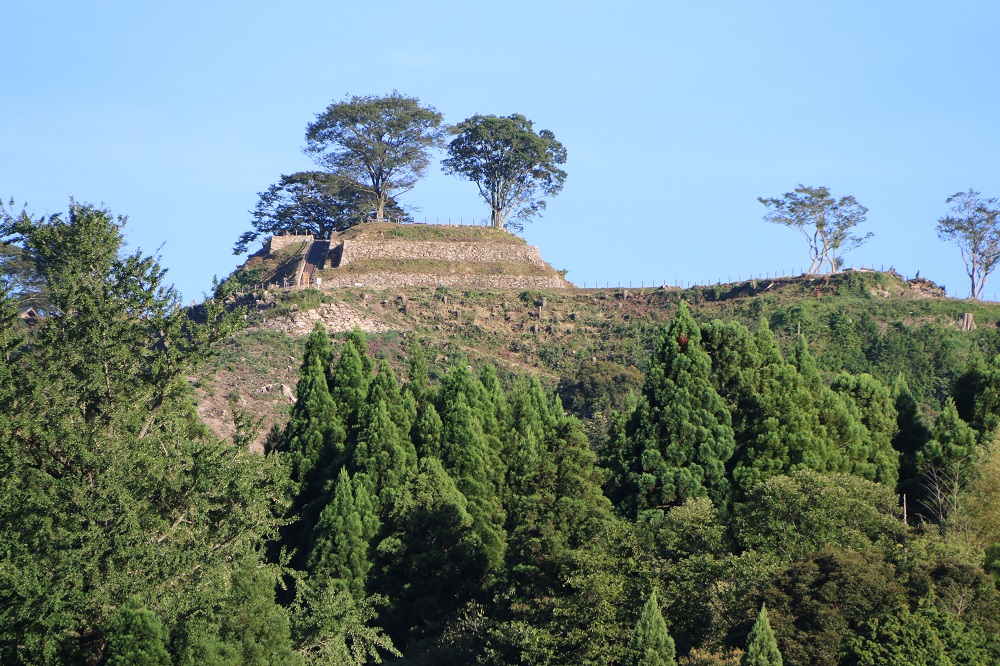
(826, 223)
(310, 202)
(381, 143)
(513, 166)
(973, 225)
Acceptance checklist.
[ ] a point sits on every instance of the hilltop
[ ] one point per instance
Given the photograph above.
(858, 321)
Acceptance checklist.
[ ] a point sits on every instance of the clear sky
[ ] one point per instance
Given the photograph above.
(676, 117)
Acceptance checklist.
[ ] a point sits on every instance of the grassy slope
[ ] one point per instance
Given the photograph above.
(872, 322)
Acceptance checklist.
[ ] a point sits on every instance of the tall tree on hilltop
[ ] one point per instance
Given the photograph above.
(310, 202)
(651, 643)
(382, 143)
(513, 166)
(826, 223)
(680, 436)
(974, 226)
(762, 647)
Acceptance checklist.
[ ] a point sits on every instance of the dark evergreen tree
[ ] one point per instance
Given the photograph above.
(762, 646)
(348, 380)
(651, 643)
(431, 560)
(314, 436)
(383, 454)
(911, 436)
(680, 437)
(427, 431)
(339, 542)
(137, 638)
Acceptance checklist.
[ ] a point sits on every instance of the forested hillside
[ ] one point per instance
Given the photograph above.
(803, 474)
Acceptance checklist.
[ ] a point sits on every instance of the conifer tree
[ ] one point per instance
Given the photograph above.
(680, 438)
(418, 372)
(340, 543)
(137, 638)
(383, 454)
(385, 388)
(427, 431)
(430, 561)
(876, 410)
(314, 437)
(472, 459)
(762, 646)
(911, 436)
(348, 380)
(651, 643)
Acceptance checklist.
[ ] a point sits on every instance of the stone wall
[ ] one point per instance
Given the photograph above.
(276, 243)
(387, 280)
(510, 253)
(336, 317)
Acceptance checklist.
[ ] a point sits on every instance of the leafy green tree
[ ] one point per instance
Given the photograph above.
(512, 165)
(680, 437)
(974, 225)
(762, 647)
(332, 627)
(826, 223)
(310, 202)
(137, 638)
(111, 488)
(381, 143)
(911, 436)
(792, 515)
(651, 643)
(900, 639)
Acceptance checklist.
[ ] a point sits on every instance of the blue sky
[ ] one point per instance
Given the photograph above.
(676, 117)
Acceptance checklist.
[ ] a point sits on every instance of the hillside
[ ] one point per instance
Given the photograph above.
(856, 321)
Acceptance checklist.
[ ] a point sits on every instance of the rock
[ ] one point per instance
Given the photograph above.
(286, 391)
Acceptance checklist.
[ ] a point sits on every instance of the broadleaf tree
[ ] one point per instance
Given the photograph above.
(310, 202)
(381, 143)
(973, 225)
(828, 224)
(513, 166)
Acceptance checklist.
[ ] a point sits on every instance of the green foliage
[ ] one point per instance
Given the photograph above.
(679, 438)
(793, 515)
(974, 226)
(826, 223)
(310, 202)
(651, 643)
(762, 647)
(111, 489)
(512, 165)
(340, 540)
(137, 638)
(382, 143)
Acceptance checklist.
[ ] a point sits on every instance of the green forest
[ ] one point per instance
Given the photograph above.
(750, 503)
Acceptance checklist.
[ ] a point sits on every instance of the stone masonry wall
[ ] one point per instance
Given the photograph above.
(387, 280)
(276, 243)
(439, 251)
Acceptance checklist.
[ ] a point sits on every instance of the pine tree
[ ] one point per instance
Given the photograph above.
(427, 431)
(876, 410)
(680, 437)
(430, 561)
(651, 643)
(762, 646)
(418, 372)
